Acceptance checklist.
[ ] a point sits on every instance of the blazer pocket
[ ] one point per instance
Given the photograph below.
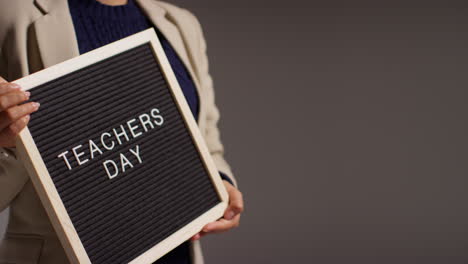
(20, 249)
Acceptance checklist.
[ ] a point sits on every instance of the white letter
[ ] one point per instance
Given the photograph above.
(104, 144)
(136, 153)
(124, 161)
(63, 155)
(154, 114)
(107, 170)
(93, 148)
(123, 133)
(78, 155)
(133, 128)
(144, 120)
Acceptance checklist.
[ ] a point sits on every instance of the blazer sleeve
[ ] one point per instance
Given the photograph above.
(211, 132)
(13, 175)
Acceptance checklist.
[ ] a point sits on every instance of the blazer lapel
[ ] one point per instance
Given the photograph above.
(55, 33)
(161, 20)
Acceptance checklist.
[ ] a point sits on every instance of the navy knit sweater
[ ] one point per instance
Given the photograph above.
(96, 25)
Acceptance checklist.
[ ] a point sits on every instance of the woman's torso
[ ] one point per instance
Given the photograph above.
(30, 236)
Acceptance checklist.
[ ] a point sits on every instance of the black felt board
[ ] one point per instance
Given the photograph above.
(120, 218)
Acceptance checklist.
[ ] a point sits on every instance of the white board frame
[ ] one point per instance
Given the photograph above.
(29, 154)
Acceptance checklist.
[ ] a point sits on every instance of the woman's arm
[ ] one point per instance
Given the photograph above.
(211, 134)
(13, 118)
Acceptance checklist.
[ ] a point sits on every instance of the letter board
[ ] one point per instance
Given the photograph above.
(116, 156)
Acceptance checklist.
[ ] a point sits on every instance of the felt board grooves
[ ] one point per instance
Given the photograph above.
(118, 219)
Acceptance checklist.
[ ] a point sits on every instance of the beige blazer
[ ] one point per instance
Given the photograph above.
(38, 34)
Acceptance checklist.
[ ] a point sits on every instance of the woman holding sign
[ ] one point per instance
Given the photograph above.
(38, 34)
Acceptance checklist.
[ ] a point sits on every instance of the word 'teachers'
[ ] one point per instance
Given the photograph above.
(119, 135)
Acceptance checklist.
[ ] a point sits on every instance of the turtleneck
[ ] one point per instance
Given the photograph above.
(96, 25)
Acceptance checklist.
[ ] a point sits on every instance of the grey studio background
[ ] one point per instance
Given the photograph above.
(345, 123)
